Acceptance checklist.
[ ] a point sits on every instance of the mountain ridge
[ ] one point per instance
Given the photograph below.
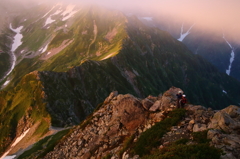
(119, 126)
(106, 54)
(218, 47)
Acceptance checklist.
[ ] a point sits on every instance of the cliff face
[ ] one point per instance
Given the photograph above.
(128, 127)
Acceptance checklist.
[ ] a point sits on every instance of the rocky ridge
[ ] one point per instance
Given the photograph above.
(122, 117)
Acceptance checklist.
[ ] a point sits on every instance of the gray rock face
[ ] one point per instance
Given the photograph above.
(222, 126)
(227, 119)
(129, 112)
(226, 129)
(121, 116)
(125, 116)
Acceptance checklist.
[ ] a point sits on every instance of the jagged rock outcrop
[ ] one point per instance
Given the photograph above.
(223, 128)
(125, 116)
(225, 132)
(121, 116)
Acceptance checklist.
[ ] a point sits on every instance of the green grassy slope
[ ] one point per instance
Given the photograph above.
(88, 44)
(24, 103)
(93, 33)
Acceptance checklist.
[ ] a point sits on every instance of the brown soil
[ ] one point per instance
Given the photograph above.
(111, 34)
(55, 51)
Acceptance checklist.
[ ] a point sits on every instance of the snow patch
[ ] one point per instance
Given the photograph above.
(68, 10)
(231, 61)
(4, 156)
(10, 157)
(17, 38)
(6, 83)
(108, 56)
(16, 43)
(20, 138)
(49, 21)
(183, 35)
(228, 71)
(68, 13)
(45, 48)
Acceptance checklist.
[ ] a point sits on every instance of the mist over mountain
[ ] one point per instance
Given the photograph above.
(217, 47)
(60, 60)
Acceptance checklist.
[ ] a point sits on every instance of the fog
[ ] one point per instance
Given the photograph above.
(212, 15)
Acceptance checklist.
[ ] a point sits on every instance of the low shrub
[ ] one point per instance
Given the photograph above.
(181, 151)
(151, 138)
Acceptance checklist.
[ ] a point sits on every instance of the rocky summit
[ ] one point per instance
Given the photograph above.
(123, 124)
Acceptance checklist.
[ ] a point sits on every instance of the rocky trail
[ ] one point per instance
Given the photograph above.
(124, 116)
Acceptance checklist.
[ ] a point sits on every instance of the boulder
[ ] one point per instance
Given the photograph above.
(172, 93)
(233, 111)
(165, 103)
(169, 98)
(155, 106)
(211, 133)
(147, 103)
(226, 120)
(129, 111)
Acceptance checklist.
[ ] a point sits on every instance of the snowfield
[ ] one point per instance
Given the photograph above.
(228, 71)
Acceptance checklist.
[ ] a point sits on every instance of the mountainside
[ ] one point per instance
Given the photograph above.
(217, 47)
(23, 110)
(128, 127)
(148, 55)
(65, 43)
(66, 59)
